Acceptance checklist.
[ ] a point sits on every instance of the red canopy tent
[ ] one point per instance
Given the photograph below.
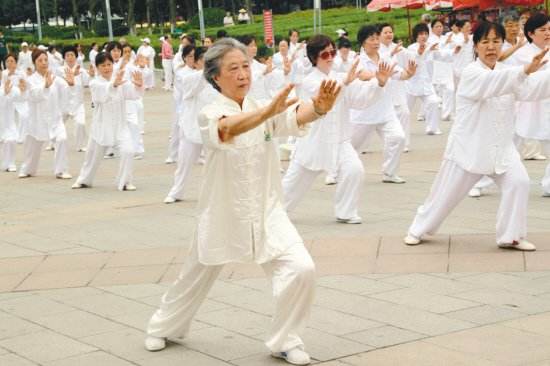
(387, 5)
(488, 4)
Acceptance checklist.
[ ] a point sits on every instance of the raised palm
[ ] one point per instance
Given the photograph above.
(326, 96)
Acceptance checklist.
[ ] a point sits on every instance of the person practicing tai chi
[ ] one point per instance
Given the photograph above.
(328, 147)
(109, 122)
(481, 141)
(241, 217)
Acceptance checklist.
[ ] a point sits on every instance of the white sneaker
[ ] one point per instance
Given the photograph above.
(170, 199)
(79, 185)
(153, 344)
(295, 356)
(82, 149)
(169, 161)
(129, 187)
(420, 118)
(109, 156)
(11, 169)
(138, 157)
(522, 245)
(49, 148)
(201, 161)
(537, 157)
(351, 220)
(406, 150)
(63, 176)
(330, 180)
(475, 192)
(393, 179)
(433, 133)
(411, 240)
(22, 175)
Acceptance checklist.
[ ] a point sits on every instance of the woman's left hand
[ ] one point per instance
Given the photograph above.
(326, 96)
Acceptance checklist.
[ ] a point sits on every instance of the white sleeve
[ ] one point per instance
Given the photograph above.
(477, 83)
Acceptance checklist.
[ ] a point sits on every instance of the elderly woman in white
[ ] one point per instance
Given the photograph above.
(241, 217)
(481, 141)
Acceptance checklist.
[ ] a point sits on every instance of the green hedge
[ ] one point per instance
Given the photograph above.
(213, 17)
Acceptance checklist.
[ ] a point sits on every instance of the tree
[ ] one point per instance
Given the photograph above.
(76, 16)
(172, 6)
(131, 17)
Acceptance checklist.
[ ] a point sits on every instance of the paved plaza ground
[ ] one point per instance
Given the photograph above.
(81, 271)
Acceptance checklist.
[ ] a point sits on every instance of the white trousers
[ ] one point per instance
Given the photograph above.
(546, 179)
(394, 141)
(404, 116)
(173, 146)
(168, 73)
(451, 185)
(188, 155)
(79, 120)
(429, 107)
(484, 182)
(7, 152)
(94, 156)
(293, 281)
(299, 179)
(22, 114)
(448, 102)
(529, 148)
(32, 150)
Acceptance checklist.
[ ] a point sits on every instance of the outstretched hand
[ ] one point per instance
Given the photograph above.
(119, 79)
(398, 48)
(537, 62)
(352, 73)
(22, 85)
(281, 102)
(7, 86)
(326, 96)
(411, 68)
(385, 71)
(137, 79)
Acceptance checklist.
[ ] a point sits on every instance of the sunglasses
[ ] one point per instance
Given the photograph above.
(326, 54)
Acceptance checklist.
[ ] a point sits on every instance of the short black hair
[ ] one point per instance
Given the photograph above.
(247, 39)
(112, 45)
(292, 30)
(190, 38)
(187, 50)
(460, 23)
(315, 45)
(366, 31)
(221, 34)
(51, 48)
(435, 21)
(199, 53)
(68, 49)
(384, 25)
(344, 43)
(484, 28)
(418, 29)
(533, 23)
(102, 57)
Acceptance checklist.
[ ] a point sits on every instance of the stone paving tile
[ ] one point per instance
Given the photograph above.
(10, 282)
(223, 344)
(323, 346)
(11, 326)
(181, 357)
(438, 244)
(8, 250)
(428, 282)
(143, 257)
(417, 353)
(475, 243)
(237, 320)
(263, 359)
(485, 314)
(384, 336)
(486, 262)
(136, 291)
(337, 323)
(61, 295)
(503, 345)
(530, 286)
(355, 284)
(539, 324)
(33, 307)
(15, 360)
(534, 274)
(73, 262)
(425, 300)
(538, 262)
(47, 280)
(91, 359)
(250, 300)
(526, 304)
(406, 263)
(45, 346)
(126, 344)
(10, 266)
(129, 275)
(108, 305)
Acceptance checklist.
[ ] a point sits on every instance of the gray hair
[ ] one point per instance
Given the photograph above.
(510, 18)
(214, 55)
(426, 17)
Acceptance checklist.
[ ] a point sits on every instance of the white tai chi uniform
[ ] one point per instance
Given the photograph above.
(481, 143)
(241, 219)
(73, 106)
(195, 96)
(398, 89)
(420, 86)
(24, 61)
(8, 128)
(110, 128)
(45, 123)
(533, 118)
(442, 73)
(175, 134)
(21, 104)
(149, 53)
(328, 145)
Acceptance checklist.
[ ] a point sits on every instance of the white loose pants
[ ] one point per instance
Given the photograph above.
(168, 74)
(32, 150)
(451, 185)
(293, 281)
(430, 107)
(546, 179)
(188, 155)
(7, 152)
(394, 141)
(404, 116)
(299, 179)
(94, 156)
(79, 120)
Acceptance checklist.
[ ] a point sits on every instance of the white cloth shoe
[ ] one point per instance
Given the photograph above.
(537, 157)
(169, 161)
(129, 187)
(63, 176)
(170, 199)
(330, 180)
(522, 245)
(411, 240)
(79, 185)
(393, 179)
(351, 220)
(475, 192)
(153, 344)
(11, 169)
(295, 356)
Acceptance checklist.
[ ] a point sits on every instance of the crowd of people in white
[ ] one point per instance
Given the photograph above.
(493, 83)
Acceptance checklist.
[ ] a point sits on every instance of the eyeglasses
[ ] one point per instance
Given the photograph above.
(326, 54)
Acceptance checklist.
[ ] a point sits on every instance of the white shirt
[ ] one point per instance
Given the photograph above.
(45, 107)
(533, 118)
(75, 96)
(464, 57)
(24, 61)
(317, 150)
(442, 70)
(382, 111)
(421, 83)
(8, 128)
(481, 139)
(54, 61)
(398, 87)
(341, 65)
(265, 85)
(93, 53)
(179, 88)
(149, 53)
(241, 217)
(109, 124)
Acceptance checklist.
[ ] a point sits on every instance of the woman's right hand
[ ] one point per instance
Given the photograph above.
(280, 103)
(537, 62)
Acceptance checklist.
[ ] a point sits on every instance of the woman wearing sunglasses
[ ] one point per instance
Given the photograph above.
(328, 145)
